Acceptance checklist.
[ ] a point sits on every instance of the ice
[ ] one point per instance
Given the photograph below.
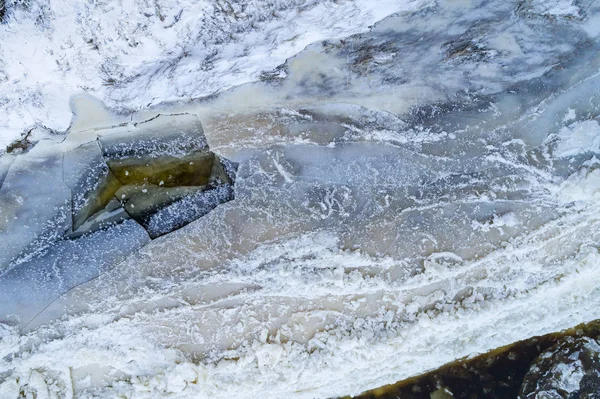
(578, 138)
(36, 206)
(186, 209)
(59, 193)
(30, 287)
(5, 163)
(163, 135)
(91, 182)
(404, 197)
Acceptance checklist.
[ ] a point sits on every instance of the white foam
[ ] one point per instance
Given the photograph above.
(578, 138)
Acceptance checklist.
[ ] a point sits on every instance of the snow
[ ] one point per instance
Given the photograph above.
(555, 8)
(570, 376)
(581, 186)
(578, 138)
(132, 54)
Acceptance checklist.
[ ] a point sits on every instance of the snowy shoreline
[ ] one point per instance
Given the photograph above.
(138, 53)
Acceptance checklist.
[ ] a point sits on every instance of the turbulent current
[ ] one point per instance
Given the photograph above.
(379, 205)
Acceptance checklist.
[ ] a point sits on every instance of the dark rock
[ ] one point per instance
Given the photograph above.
(563, 365)
(568, 370)
(24, 144)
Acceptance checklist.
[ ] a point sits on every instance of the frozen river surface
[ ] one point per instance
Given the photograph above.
(377, 206)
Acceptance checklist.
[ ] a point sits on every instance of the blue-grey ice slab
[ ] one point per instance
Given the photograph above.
(35, 204)
(5, 162)
(190, 207)
(163, 135)
(29, 287)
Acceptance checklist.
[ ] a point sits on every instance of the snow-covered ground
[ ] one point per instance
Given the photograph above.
(136, 53)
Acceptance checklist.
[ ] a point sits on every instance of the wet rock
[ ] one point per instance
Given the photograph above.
(568, 370)
(563, 365)
(21, 145)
